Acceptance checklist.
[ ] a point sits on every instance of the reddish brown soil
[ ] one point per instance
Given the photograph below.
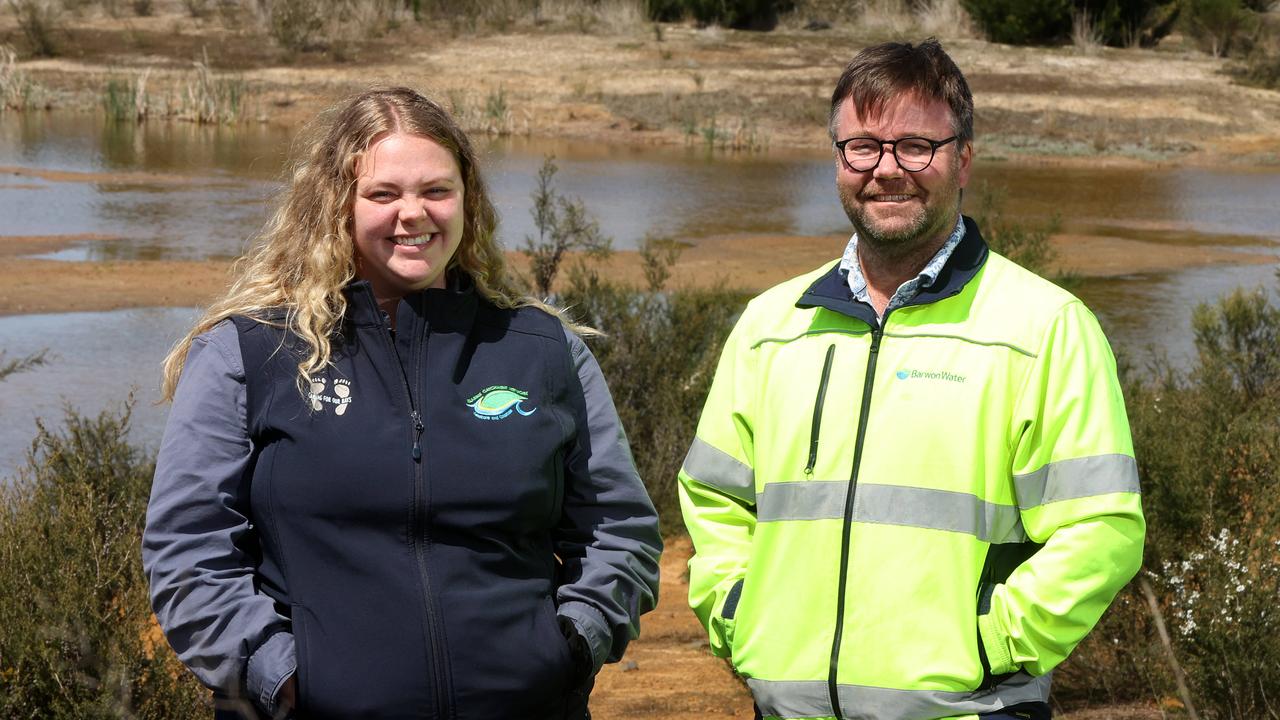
(668, 672)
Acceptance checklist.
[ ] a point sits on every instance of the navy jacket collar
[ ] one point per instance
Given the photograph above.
(450, 309)
(831, 291)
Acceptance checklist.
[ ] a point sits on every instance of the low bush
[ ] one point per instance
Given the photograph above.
(739, 14)
(76, 633)
(1206, 440)
(39, 21)
(1037, 22)
(1217, 24)
(1026, 245)
(658, 352)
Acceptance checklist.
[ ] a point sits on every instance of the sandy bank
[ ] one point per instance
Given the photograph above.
(753, 262)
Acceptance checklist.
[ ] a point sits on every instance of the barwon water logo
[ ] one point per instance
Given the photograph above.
(909, 374)
(499, 401)
(339, 398)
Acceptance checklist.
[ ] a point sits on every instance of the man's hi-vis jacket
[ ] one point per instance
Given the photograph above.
(912, 519)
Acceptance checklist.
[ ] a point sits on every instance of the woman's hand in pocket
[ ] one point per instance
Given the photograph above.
(288, 699)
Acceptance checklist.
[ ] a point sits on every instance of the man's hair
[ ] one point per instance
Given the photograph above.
(882, 72)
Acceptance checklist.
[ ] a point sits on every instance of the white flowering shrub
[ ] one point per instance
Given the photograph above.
(1223, 602)
(1208, 447)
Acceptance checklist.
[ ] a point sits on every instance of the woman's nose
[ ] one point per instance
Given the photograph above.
(412, 208)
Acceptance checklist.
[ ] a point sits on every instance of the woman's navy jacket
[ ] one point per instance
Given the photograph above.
(407, 531)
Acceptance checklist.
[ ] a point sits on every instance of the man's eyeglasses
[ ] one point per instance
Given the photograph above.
(913, 154)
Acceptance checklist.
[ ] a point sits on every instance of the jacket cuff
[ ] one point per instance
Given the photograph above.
(269, 666)
(998, 655)
(591, 625)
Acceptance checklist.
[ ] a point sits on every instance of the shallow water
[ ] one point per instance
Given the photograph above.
(95, 362)
(209, 189)
(228, 176)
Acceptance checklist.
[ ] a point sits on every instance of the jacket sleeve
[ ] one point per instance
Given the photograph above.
(202, 581)
(718, 494)
(1076, 484)
(608, 538)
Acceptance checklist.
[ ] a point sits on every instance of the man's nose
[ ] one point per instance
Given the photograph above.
(888, 166)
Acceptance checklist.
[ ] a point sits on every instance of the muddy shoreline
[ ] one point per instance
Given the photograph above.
(750, 262)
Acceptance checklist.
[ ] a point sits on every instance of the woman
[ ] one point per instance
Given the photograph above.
(390, 486)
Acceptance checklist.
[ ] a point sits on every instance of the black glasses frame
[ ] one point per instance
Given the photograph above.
(933, 144)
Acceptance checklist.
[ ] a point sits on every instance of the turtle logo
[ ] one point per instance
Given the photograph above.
(498, 401)
(340, 398)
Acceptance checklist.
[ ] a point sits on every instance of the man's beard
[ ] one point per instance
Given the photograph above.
(930, 225)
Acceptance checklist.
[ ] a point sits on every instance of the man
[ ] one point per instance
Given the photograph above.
(912, 490)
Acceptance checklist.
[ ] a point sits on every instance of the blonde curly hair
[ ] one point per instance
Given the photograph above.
(305, 255)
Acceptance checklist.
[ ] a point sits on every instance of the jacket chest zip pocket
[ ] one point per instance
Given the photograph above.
(816, 428)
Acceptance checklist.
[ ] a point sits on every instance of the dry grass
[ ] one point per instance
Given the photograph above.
(1086, 36)
(889, 18)
(608, 17)
(946, 18)
(17, 90)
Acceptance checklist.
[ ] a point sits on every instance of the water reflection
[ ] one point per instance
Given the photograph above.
(220, 181)
(172, 190)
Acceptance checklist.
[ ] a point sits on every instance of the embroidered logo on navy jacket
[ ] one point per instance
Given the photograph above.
(498, 401)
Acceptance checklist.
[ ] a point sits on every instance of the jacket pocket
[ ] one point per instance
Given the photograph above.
(729, 615)
(815, 429)
(997, 666)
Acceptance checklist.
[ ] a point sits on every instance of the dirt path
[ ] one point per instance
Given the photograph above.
(669, 673)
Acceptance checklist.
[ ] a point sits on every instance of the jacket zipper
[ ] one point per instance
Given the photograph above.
(816, 427)
(419, 529)
(876, 334)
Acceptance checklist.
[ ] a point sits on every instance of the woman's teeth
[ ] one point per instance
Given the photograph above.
(415, 240)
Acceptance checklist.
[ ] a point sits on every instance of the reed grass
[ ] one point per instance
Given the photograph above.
(17, 90)
(125, 99)
(211, 99)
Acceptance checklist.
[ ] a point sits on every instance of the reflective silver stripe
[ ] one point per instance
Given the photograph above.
(892, 505)
(809, 699)
(1077, 478)
(808, 500)
(712, 466)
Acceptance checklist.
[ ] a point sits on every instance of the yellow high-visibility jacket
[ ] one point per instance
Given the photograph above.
(917, 519)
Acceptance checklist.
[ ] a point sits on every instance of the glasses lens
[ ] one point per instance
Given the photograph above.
(914, 153)
(862, 153)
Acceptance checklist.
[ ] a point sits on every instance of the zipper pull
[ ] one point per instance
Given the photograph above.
(417, 434)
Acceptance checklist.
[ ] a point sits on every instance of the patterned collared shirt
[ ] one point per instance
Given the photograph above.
(908, 290)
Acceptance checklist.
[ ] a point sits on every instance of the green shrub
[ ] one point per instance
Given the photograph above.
(1022, 22)
(76, 632)
(658, 353)
(1025, 245)
(1206, 440)
(740, 14)
(9, 367)
(296, 25)
(39, 20)
(1037, 22)
(1261, 70)
(1216, 24)
(564, 225)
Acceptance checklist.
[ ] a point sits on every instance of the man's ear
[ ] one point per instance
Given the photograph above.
(965, 164)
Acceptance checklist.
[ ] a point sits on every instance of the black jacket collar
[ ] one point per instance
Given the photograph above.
(831, 291)
(449, 309)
